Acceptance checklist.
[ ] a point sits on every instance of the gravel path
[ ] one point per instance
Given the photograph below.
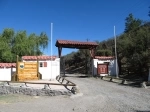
(95, 95)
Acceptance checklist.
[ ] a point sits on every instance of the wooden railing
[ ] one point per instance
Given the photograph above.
(64, 80)
(47, 83)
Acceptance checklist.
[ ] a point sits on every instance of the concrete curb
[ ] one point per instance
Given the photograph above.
(124, 81)
(113, 79)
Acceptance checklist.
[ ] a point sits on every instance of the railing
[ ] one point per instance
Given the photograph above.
(47, 83)
(62, 82)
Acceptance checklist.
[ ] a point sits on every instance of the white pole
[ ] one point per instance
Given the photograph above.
(51, 47)
(149, 75)
(116, 53)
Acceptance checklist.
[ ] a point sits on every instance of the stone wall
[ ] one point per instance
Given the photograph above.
(9, 89)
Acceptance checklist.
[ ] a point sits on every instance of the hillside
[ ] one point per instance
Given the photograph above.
(132, 50)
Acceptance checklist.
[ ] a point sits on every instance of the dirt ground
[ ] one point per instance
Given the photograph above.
(95, 95)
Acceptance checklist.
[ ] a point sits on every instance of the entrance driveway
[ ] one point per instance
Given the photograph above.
(95, 95)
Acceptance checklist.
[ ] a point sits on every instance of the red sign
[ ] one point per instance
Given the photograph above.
(102, 68)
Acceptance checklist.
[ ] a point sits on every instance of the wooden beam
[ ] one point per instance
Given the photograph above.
(39, 83)
(59, 51)
(16, 77)
(38, 68)
(92, 52)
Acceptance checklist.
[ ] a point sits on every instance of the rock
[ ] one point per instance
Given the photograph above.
(46, 86)
(31, 91)
(143, 85)
(75, 90)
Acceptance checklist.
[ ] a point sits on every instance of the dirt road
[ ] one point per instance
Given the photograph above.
(95, 95)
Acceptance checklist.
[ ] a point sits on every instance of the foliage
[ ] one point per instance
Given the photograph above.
(132, 48)
(19, 43)
(131, 23)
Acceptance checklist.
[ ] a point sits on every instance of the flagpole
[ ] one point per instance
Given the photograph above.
(51, 47)
(116, 53)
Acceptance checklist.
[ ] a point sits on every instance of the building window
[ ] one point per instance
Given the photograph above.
(43, 64)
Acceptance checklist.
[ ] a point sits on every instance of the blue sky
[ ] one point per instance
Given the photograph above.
(72, 19)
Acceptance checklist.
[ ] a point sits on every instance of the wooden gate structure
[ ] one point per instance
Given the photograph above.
(91, 46)
(26, 71)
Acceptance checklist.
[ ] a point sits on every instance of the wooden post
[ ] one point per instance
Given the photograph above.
(38, 68)
(92, 53)
(149, 75)
(16, 76)
(97, 69)
(59, 51)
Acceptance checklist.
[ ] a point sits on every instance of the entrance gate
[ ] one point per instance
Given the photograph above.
(77, 45)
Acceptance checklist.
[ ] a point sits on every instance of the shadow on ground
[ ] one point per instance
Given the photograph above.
(133, 83)
(143, 111)
(77, 76)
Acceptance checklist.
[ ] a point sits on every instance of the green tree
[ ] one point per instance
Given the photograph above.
(131, 23)
(19, 43)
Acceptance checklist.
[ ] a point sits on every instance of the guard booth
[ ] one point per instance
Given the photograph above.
(104, 65)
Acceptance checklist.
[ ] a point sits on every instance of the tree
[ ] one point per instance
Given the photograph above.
(103, 49)
(19, 43)
(131, 23)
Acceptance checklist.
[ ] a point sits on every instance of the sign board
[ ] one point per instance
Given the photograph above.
(27, 71)
(21, 65)
(102, 68)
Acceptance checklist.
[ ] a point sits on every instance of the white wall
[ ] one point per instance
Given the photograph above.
(5, 73)
(49, 72)
(111, 67)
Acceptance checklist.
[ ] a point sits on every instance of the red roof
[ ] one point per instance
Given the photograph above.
(39, 57)
(75, 44)
(104, 57)
(7, 65)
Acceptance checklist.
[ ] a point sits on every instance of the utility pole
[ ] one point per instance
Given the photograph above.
(51, 48)
(116, 54)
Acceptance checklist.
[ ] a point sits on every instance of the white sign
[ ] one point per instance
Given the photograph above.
(21, 65)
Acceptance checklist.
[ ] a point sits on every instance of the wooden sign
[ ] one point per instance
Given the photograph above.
(27, 71)
(102, 68)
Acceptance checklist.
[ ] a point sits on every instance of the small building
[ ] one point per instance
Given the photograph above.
(103, 66)
(49, 67)
(6, 71)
